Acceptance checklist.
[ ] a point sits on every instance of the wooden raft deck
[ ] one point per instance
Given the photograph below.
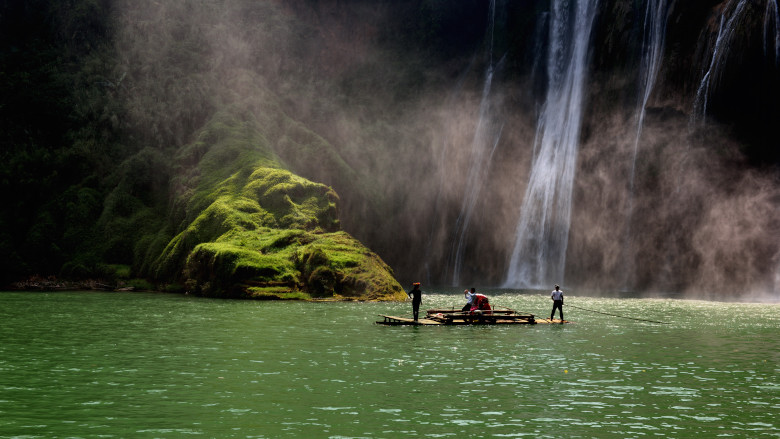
(457, 317)
(397, 321)
(404, 321)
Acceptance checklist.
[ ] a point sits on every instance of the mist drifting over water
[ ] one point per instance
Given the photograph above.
(443, 120)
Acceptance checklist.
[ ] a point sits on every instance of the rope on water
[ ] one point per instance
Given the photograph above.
(615, 315)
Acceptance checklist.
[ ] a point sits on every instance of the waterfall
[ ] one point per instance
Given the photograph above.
(486, 137)
(652, 54)
(541, 238)
(719, 54)
(653, 36)
(772, 18)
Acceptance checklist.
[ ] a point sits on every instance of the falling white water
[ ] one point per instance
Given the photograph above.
(486, 137)
(652, 53)
(539, 254)
(772, 18)
(719, 54)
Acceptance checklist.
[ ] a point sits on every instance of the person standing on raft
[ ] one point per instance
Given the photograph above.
(557, 298)
(416, 296)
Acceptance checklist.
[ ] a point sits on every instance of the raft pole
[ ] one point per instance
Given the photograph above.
(622, 317)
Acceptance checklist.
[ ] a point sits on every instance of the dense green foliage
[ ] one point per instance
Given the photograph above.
(128, 180)
(57, 143)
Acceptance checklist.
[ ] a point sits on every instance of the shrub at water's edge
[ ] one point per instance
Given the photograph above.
(251, 229)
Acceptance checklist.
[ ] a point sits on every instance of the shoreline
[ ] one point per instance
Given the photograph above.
(40, 284)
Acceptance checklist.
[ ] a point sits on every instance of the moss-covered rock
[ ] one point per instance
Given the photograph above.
(252, 229)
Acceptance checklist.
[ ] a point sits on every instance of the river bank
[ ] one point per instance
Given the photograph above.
(54, 284)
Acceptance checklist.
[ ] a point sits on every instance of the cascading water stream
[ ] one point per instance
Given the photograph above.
(652, 55)
(719, 54)
(486, 137)
(653, 37)
(729, 23)
(772, 18)
(541, 238)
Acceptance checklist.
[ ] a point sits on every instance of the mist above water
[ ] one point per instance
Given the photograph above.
(469, 166)
(653, 36)
(487, 134)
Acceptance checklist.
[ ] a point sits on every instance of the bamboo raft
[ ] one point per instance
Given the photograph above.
(457, 317)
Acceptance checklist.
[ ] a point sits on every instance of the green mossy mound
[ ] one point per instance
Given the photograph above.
(252, 229)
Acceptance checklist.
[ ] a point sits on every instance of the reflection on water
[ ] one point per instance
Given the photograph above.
(151, 365)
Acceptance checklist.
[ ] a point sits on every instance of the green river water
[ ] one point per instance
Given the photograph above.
(126, 365)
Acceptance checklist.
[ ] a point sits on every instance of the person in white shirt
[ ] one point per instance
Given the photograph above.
(557, 298)
(469, 299)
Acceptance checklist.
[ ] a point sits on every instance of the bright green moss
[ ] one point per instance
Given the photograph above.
(361, 273)
(218, 268)
(275, 293)
(255, 230)
(294, 202)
